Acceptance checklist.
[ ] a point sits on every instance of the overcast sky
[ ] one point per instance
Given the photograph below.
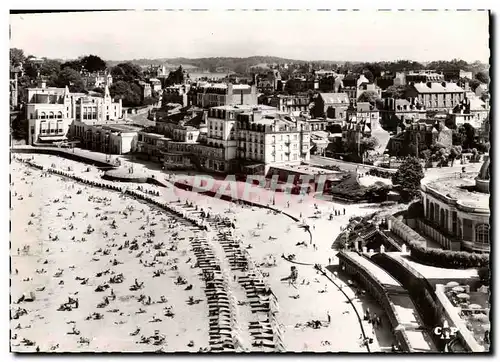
(305, 35)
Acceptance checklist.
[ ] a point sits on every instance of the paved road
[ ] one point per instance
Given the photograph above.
(348, 166)
(141, 118)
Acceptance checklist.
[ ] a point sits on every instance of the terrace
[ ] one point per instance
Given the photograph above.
(470, 312)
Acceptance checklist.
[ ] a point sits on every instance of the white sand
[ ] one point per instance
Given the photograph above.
(190, 322)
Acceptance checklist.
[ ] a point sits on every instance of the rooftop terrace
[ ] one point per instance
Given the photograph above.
(460, 189)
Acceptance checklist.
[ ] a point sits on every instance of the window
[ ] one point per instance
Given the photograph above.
(483, 234)
(44, 131)
(43, 115)
(51, 115)
(467, 229)
(59, 115)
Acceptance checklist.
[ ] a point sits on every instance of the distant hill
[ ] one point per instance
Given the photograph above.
(212, 64)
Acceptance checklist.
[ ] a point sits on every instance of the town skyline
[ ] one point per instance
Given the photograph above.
(376, 34)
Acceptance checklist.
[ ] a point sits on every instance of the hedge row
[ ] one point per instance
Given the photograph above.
(380, 173)
(448, 258)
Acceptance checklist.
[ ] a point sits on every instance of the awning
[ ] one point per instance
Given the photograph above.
(250, 167)
(52, 138)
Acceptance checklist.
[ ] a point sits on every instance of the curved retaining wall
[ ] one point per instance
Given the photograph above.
(64, 153)
(380, 293)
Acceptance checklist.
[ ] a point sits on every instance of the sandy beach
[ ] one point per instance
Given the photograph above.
(60, 257)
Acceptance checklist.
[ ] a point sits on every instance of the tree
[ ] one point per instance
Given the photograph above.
(483, 77)
(17, 57)
(71, 78)
(291, 86)
(92, 63)
(19, 127)
(50, 68)
(426, 154)
(176, 77)
(457, 138)
(408, 177)
(369, 143)
(369, 75)
(469, 135)
(73, 64)
(455, 154)
(368, 96)
(484, 275)
(98, 90)
(473, 84)
(396, 91)
(126, 71)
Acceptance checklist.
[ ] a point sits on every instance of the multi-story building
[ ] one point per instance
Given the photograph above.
(177, 93)
(423, 77)
(363, 122)
(418, 136)
(215, 95)
(436, 96)
(330, 84)
(99, 125)
(385, 80)
(471, 110)
(155, 84)
(238, 135)
(271, 140)
(398, 111)
(50, 112)
(97, 109)
(350, 85)
(268, 82)
(290, 103)
(146, 89)
(97, 80)
(457, 211)
(329, 105)
(151, 145)
(456, 74)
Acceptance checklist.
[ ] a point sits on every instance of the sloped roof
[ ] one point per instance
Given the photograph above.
(477, 104)
(436, 87)
(334, 98)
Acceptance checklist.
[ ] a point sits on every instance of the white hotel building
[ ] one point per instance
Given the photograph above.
(255, 136)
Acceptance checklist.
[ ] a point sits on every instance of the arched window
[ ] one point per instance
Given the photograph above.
(442, 218)
(59, 114)
(51, 115)
(483, 234)
(43, 115)
(431, 213)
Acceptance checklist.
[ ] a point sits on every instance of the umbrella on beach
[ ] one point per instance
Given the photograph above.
(475, 306)
(458, 289)
(463, 296)
(481, 318)
(452, 284)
